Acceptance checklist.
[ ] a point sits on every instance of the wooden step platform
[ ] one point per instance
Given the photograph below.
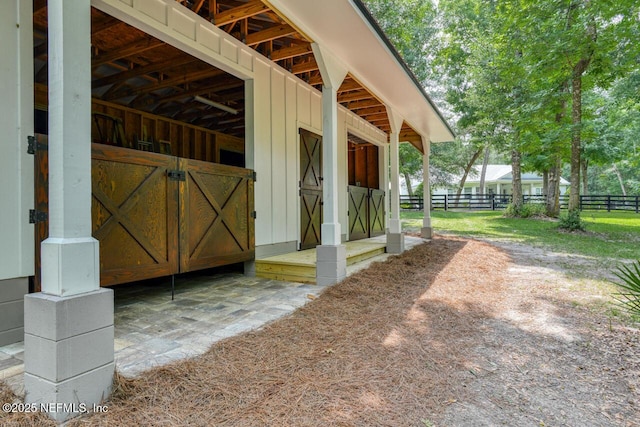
(300, 266)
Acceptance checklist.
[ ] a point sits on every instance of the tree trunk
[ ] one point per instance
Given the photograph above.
(553, 189)
(466, 172)
(545, 182)
(407, 181)
(617, 172)
(583, 174)
(576, 132)
(516, 178)
(483, 173)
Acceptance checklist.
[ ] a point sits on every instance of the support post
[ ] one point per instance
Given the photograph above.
(331, 255)
(395, 237)
(427, 231)
(68, 348)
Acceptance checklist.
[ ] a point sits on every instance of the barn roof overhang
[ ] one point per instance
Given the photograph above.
(132, 68)
(349, 31)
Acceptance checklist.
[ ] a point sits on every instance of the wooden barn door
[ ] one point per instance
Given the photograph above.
(310, 189)
(134, 213)
(358, 213)
(216, 215)
(40, 215)
(376, 213)
(157, 215)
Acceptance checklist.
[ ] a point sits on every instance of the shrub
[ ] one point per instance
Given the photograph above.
(525, 210)
(571, 221)
(629, 295)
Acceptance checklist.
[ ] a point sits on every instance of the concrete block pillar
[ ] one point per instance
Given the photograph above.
(331, 261)
(427, 231)
(69, 325)
(395, 237)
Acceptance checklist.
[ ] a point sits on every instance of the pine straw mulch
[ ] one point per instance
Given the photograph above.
(392, 345)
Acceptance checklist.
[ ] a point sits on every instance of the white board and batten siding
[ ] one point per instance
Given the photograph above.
(16, 124)
(278, 104)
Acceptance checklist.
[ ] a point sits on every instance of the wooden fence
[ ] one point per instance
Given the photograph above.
(500, 201)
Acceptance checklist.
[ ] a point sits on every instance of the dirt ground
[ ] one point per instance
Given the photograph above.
(454, 332)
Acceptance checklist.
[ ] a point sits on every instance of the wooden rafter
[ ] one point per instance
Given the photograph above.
(173, 81)
(291, 52)
(305, 67)
(272, 33)
(354, 96)
(251, 8)
(136, 47)
(166, 65)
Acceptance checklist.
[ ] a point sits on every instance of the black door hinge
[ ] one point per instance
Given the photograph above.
(254, 214)
(33, 145)
(255, 176)
(176, 175)
(36, 216)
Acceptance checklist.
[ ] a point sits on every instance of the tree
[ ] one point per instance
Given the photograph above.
(410, 165)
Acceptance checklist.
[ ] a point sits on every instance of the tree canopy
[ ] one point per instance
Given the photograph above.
(548, 83)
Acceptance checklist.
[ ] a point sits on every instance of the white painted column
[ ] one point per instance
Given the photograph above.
(331, 255)
(70, 263)
(331, 223)
(395, 237)
(386, 186)
(69, 326)
(394, 223)
(426, 231)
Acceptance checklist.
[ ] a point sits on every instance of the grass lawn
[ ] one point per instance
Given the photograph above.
(613, 235)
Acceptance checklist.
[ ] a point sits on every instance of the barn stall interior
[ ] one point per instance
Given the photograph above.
(183, 201)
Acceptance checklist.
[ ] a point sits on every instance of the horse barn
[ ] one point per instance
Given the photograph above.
(149, 138)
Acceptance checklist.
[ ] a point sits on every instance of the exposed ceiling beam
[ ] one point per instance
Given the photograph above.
(354, 96)
(271, 33)
(98, 26)
(218, 86)
(197, 5)
(138, 46)
(305, 67)
(350, 85)
(139, 71)
(370, 110)
(172, 81)
(363, 103)
(290, 52)
(252, 8)
(375, 117)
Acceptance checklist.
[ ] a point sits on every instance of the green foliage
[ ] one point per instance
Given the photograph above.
(571, 221)
(629, 295)
(526, 210)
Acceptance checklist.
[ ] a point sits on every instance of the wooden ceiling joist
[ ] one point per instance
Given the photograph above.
(247, 10)
(269, 34)
(166, 65)
(136, 47)
(357, 95)
(290, 52)
(139, 71)
(305, 67)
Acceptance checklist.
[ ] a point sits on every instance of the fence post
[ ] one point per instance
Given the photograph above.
(446, 204)
(581, 197)
(637, 198)
(493, 202)
(608, 203)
